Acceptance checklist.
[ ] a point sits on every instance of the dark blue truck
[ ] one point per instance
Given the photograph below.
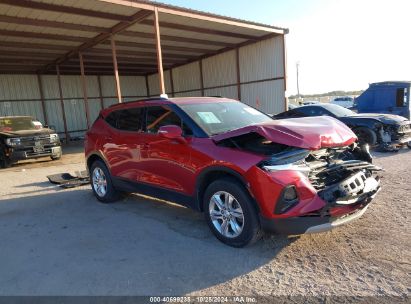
(391, 97)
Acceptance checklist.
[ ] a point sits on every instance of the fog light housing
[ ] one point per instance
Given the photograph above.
(287, 200)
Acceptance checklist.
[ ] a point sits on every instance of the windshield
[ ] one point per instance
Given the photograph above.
(220, 117)
(8, 124)
(339, 111)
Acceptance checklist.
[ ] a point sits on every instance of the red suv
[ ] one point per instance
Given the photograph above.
(247, 172)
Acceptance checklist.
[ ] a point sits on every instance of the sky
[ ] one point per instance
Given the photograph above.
(339, 44)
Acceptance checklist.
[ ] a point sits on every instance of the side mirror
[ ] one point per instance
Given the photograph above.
(171, 132)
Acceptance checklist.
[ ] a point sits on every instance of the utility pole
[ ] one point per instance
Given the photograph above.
(298, 86)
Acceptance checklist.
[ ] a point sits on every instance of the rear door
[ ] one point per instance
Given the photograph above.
(123, 142)
(165, 163)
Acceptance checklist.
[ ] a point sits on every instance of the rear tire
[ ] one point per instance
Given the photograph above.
(101, 183)
(366, 136)
(409, 145)
(231, 214)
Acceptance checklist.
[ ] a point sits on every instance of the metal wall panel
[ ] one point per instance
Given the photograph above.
(220, 69)
(229, 92)
(71, 86)
(109, 101)
(50, 86)
(187, 77)
(55, 115)
(75, 114)
(133, 85)
(154, 86)
(267, 96)
(108, 86)
(262, 60)
(189, 94)
(29, 108)
(94, 107)
(18, 87)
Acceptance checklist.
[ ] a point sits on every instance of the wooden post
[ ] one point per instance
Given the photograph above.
(84, 86)
(159, 55)
(100, 92)
(43, 103)
(237, 58)
(115, 66)
(62, 104)
(201, 77)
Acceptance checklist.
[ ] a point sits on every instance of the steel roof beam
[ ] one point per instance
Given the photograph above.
(201, 30)
(52, 24)
(65, 9)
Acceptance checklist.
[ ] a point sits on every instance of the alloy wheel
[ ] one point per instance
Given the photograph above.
(99, 182)
(226, 214)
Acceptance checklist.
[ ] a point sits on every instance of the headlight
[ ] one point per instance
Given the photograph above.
(13, 141)
(303, 168)
(288, 160)
(54, 137)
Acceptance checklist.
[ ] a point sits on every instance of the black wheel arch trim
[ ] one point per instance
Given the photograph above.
(219, 169)
(100, 156)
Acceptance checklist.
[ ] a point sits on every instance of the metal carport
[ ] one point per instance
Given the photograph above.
(63, 60)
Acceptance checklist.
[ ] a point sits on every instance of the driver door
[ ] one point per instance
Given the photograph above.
(165, 163)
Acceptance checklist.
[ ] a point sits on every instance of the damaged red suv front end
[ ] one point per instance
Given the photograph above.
(314, 178)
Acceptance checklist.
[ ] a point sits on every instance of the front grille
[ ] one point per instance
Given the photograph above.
(33, 140)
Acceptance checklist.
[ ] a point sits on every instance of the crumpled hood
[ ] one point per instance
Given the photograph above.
(310, 133)
(388, 119)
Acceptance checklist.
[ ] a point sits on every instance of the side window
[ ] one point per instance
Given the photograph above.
(111, 119)
(127, 120)
(159, 116)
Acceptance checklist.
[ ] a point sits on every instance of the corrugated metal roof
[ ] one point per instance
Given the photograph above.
(52, 30)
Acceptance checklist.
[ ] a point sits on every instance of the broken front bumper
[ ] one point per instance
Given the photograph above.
(341, 211)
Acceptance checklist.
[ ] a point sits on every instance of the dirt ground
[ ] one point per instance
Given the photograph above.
(63, 242)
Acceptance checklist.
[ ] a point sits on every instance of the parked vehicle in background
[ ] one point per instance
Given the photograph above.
(382, 130)
(391, 97)
(346, 101)
(308, 102)
(244, 170)
(21, 137)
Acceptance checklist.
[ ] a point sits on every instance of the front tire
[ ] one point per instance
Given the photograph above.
(409, 145)
(231, 214)
(101, 183)
(366, 136)
(4, 160)
(57, 156)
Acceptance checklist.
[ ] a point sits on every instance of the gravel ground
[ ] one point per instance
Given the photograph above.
(62, 242)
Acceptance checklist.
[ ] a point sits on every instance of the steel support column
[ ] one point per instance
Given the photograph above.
(285, 73)
(115, 67)
(62, 104)
(84, 86)
(159, 54)
(100, 92)
(147, 86)
(201, 77)
(237, 59)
